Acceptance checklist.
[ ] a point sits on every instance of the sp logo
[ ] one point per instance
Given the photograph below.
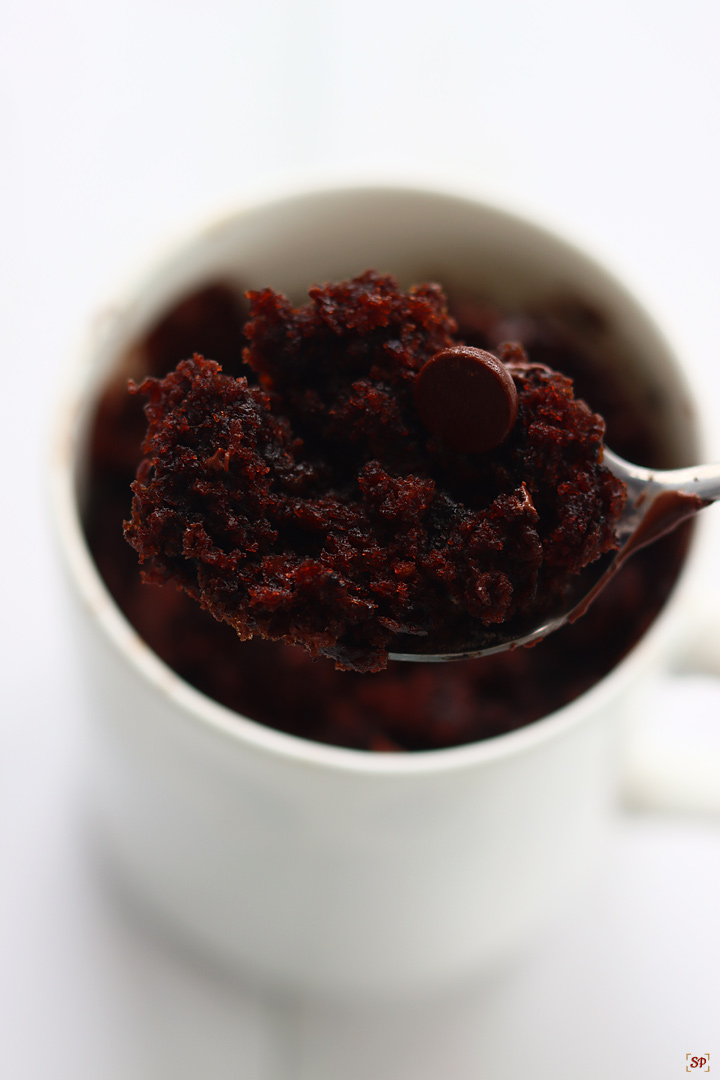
(701, 1062)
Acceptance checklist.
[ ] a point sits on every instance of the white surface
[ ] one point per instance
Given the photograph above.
(118, 122)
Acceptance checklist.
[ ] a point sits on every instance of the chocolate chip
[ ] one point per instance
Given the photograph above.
(467, 397)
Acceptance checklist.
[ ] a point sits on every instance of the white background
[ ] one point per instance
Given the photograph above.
(120, 122)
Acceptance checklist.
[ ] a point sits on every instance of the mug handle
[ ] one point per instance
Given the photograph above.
(672, 754)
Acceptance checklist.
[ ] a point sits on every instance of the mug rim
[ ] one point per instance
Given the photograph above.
(194, 705)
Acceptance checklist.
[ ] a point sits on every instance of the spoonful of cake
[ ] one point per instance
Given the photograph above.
(375, 490)
(657, 502)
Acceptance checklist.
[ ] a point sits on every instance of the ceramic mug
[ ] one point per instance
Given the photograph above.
(308, 865)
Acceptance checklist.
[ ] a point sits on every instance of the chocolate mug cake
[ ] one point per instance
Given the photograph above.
(231, 787)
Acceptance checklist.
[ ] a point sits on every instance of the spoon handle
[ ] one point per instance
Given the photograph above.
(702, 481)
(680, 493)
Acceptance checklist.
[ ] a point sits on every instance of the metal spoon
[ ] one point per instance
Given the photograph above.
(657, 501)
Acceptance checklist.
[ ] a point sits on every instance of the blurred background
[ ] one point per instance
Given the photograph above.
(120, 123)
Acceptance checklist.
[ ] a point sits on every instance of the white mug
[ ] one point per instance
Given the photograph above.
(311, 866)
